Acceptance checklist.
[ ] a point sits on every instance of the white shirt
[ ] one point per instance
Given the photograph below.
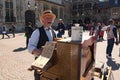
(33, 41)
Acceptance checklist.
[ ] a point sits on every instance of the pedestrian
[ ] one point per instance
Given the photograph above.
(92, 29)
(88, 26)
(0, 30)
(111, 38)
(60, 28)
(36, 26)
(102, 32)
(69, 29)
(28, 32)
(41, 35)
(4, 32)
(98, 30)
(12, 30)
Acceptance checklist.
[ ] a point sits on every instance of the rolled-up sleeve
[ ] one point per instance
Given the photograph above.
(33, 41)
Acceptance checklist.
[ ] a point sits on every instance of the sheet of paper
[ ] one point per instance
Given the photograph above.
(46, 55)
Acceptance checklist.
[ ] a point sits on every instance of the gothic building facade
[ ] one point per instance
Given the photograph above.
(86, 11)
(13, 11)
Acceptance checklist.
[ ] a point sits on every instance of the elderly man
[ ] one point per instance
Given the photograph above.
(41, 35)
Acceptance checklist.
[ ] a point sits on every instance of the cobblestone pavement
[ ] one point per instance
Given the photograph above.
(101, 58)
(15, 59)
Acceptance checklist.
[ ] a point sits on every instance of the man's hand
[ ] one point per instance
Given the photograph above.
(37, 52)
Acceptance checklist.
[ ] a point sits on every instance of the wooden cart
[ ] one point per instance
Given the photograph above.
(67, 60)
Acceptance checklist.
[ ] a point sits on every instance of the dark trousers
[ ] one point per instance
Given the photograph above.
(27, 40)
(59, 35)
(110, 44)
(36, 75)
(5, 34)
(13, 34)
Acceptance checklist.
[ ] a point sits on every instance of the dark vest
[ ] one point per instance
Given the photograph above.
(43, 37)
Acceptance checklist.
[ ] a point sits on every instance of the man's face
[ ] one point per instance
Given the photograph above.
(47, 21)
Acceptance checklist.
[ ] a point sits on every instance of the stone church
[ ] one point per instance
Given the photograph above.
(13, 11)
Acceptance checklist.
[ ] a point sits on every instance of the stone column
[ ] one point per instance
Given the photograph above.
(4, 11)
(14, 9)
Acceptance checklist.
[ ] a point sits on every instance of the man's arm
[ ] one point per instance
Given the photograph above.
(33, 41)
(115, 34)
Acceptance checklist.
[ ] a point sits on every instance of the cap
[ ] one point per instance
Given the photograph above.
(47, 13)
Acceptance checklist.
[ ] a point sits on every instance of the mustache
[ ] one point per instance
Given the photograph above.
(49, 22)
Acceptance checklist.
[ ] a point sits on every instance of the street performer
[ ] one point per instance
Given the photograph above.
(41, 35)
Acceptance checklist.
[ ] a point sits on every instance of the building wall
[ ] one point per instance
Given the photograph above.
(115, 12)
(82, 10)
(17, 12)
(1, 11)
(108, 9)
(56, 1)
(20, 6)
(64, 10)
(54, 6)
(103, 11)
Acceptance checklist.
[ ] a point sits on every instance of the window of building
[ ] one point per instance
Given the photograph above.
(74, 6)
(61, 13)
(9, 17)
(80, 6)
(87, 6)
(55, 11)
(74, 13)
(99, 11)
(0, 14)
(46, 7)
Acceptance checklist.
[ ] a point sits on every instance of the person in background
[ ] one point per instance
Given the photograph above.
(60, 28)
(35, 27)
(12, 29)
(4, 32)
(92, 30)
(28, 32)
(41, 35)
(69, 29)
(88, 26)
(0, 30)
(102, 32)
(99, 27)
(111, 38)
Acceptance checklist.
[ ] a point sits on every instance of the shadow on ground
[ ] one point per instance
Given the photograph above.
(19, 49)
(113, 64)
(4, 38)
